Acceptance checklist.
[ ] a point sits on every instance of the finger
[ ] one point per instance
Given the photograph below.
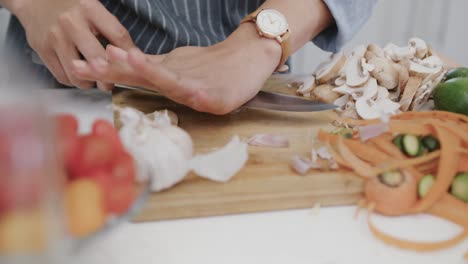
(100, 69)
(55, 67)
(116, 54)
(80, 34)
(167, 80)
(82, 70)
(112, 29)
(86, 42)
(66, 52)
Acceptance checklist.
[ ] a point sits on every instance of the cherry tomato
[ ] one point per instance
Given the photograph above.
(122, 191)
(105, 129)
(84, 202)
(120, 198)
(66, 124)
(67, 135)
(92, 153)
(123, 169)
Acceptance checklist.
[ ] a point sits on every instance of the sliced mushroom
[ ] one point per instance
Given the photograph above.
(370, 109)
(385, 74)
(341, 80)
(374, 51)
(397, 54)
(367, 66)
(403, 73)
(422, 71)
(355, 74)
(341, 102)
(409, 92)
(367, 91)
(359, 51)
(325, 93)
(307, 86)
(420, 46)
(366, 109)
(350, 111)
(329, 70)
(432, 61)
(382, 93)
(424, 92)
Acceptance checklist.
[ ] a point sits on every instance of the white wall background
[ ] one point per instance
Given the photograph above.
(3, 25)
(443, 23)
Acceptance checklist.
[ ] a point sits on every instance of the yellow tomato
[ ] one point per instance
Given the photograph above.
(85, 207)
(22, 232)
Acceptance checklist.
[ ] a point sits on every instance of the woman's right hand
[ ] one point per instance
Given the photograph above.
(62, 30)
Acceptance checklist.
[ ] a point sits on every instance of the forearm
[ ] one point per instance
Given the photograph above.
(306, 18)
(11, 5)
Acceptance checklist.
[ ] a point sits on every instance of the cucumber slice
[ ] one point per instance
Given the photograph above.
(391, 178)
(411, 145)
(430, 143)
(397, 141)
(459, 187)
(425, 185)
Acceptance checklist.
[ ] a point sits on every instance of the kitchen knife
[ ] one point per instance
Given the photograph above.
(270, 101)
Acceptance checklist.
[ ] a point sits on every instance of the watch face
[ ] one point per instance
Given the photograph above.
(272, 22)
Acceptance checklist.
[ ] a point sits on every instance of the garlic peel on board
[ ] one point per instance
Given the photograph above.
(164, 152)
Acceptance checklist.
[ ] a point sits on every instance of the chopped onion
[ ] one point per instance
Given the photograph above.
(323, 153)
(269, 140)
(371, 131)
(303, 165)
(221, 165)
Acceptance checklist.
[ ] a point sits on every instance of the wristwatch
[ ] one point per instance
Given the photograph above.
(271, 24)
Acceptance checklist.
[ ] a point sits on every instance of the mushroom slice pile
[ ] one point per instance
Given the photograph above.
(373, 82)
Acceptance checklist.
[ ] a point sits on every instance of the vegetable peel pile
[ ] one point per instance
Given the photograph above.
(414, 163)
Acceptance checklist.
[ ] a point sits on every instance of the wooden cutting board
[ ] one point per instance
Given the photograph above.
(266, 183)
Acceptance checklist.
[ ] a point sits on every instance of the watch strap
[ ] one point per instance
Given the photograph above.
(283, 40)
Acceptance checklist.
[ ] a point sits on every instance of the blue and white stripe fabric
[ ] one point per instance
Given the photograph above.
(159, 26)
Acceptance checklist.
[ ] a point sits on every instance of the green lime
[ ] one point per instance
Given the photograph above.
(452, 96)
(456, 73)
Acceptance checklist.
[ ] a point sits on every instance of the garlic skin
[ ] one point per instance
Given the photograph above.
(221, 165)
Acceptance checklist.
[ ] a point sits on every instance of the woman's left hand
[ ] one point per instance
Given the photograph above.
(216, 79)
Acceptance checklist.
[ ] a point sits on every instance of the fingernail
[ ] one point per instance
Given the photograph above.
(79, 64)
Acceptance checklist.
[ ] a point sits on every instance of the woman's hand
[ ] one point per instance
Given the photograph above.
(62, 30)
(216, 79)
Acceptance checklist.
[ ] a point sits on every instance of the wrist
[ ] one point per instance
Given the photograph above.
(265, 51)
(16, 7)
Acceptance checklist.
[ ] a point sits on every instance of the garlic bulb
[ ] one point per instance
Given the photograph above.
(164, 152)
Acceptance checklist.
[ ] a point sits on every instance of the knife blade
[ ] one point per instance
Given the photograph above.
(281, 102)
(269, 101)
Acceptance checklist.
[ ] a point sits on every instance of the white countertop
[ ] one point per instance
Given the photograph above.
(325, 236)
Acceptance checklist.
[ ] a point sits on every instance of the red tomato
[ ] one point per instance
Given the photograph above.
(67, 135)
(118, 195)
(122, 192)
(92, 153)
(123, 169)
(120, 198)
(102, 178)
(66, 124)
(105, 129)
